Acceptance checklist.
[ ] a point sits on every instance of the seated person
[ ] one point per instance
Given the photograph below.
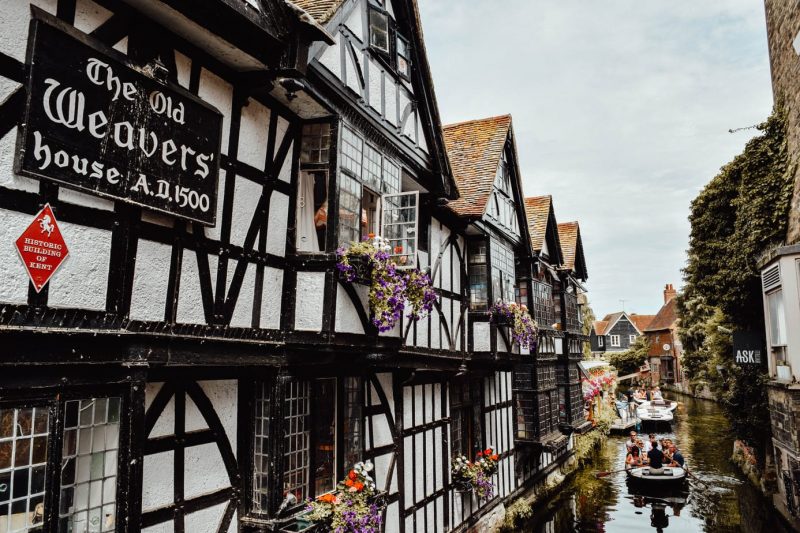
(634, 458)
(656, 459)
(631, 443)
(657, 394)
(676, 458)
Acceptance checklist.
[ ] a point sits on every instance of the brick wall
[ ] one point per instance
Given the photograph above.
(783, 25)
(784, 410)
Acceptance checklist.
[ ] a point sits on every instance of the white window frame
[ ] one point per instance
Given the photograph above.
(411, 262)
(632, 338)
(600, 341)
(614, 341)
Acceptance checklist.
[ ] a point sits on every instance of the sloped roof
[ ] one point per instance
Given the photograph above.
(600, 326)
(568, 234)
(474, 149)
(665, 318)
(641, 321)
(320, 10)
(538, 210)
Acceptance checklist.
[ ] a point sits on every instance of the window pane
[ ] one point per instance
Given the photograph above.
(325, 425)
(261, 456)
(391, 177)
(89, 467)
(297, 406)
(400, 226)
(23, 446)
(315, 145)
(349, 210)
(379, 30)
(353, 440)
(371, 176)
(777, 318)
(352, 149)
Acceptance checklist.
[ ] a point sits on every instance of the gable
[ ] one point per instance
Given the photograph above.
(543, 228)
(378, 67)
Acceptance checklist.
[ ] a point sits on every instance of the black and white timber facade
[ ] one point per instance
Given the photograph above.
(197, 357)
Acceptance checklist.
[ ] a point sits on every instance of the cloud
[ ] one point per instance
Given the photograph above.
(621, 111)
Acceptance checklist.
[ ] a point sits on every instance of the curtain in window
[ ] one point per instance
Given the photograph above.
(306, 231)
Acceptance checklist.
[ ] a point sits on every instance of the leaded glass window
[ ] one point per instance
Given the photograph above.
(352, 152)
(349, 209)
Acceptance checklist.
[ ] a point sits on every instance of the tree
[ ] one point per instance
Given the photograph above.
(630, 360)
(587, 314)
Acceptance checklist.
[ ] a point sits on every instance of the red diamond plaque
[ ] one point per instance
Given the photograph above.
(42, 248)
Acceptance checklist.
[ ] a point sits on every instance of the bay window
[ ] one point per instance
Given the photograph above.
(503, 272)
(321, 427)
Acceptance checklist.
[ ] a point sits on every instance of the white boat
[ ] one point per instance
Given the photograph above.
(650, 413)
(669, 474)
(660, 404)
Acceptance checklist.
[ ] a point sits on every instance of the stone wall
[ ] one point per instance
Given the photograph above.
(784, 410)
(783, 34)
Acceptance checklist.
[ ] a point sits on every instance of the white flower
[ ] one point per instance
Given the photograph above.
(368, 466)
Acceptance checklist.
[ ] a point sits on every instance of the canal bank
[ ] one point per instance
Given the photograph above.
(719, 500)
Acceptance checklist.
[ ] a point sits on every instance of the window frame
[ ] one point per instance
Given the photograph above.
(385, 210)
(473, 405)
(376, 10)
(632, 338)
(601, 341)
(615, 341)
(55, 401)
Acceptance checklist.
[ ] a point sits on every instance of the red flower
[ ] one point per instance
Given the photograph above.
(352, 475)
(480, 454)
(495, 457)
(487, 451)
(359, 486)
(349, 482)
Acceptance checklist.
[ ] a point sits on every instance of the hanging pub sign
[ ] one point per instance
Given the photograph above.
(42, 248)
(747, 348)
(96, 123)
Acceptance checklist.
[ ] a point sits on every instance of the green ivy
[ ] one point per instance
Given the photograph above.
(742, 212)
(630, 360)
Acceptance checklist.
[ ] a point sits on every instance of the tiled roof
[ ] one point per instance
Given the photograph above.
(568, 235)
(475, 148)
(641, 321)
(538, 210)
(320, 10)
(600, 327)
(665, 318)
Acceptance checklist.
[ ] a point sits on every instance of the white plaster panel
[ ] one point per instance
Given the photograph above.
(428, 391)
(480, 337)
(375, 91)
(437, 456)
(7, 88)
(278, 218)
(164, 527)
(353, 71)
(419, 413)
(161, 219)
(184, 69)
(271, 299)
(194, 420)
(422, 332)
(391, 104)
(16, 16)
(410, 522)
(218, 93)
(409, 129)
(436, 334)
(224, 396)
(347, 320)
(310, 293)
(424, 259)
(382, 431)
(408, 404)
(157, 480)
(437, 401)
(285, 173)
(150, 392)
(81, 281)
(559, 345)
(331, 56)
(429, 511)
(150, 281)
(440, 513)
(165, 424)
(88, 15)
(122, 46)
(355, 24)
(245, 199)
(385, 380)
(205, 521)
(79, 198)
(382, 463)
(13, 277)
(419, 478)
(421, 142)
(243, 312)
(430, 464)
(253, 134)
(8, 152)
(393, 518)
(204, 470)
(214, 232)
(190, 301)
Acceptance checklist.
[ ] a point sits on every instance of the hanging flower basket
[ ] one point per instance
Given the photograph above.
(524, 330)
(354, 507)
(390, 288)
(475, 476)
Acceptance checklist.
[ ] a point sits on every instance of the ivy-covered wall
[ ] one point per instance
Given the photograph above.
(740, 213)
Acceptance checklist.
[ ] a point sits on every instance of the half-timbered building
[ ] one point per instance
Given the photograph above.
(195, 362)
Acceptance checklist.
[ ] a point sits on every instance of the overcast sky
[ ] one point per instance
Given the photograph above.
(621, 111)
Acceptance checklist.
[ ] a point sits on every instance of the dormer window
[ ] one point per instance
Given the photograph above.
(379, 30)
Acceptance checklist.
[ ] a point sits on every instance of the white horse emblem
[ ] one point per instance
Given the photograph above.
(46, 225)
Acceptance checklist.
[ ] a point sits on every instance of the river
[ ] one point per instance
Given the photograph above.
(723, 502)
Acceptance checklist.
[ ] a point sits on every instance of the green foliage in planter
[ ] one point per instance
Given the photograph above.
(630, 360)
(741, 213)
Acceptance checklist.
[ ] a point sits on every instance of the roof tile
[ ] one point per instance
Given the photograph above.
(568, 235)
(538, 210)
(320, 10)
(665, 318)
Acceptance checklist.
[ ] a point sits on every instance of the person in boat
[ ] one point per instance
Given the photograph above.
(631, 443)
(648, 396)
(640, 445)
(655, 459)
(676, 457)
(657, 394)
(650, 442)
(633, 459)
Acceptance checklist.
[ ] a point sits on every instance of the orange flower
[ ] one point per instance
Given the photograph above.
(371, 235)
(398, 249)
(349, 482)
(359, 486)
(495, 457)
(352, 475)
(327, 498)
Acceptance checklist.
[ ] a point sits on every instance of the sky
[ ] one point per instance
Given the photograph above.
(621, 111)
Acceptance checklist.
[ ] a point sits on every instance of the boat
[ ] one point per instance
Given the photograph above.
(650, 413)
(668, 476)
(661, 404)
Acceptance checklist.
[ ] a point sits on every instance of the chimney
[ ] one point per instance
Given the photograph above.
(669, 292)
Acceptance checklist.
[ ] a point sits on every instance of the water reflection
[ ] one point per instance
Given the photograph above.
(715, 499)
